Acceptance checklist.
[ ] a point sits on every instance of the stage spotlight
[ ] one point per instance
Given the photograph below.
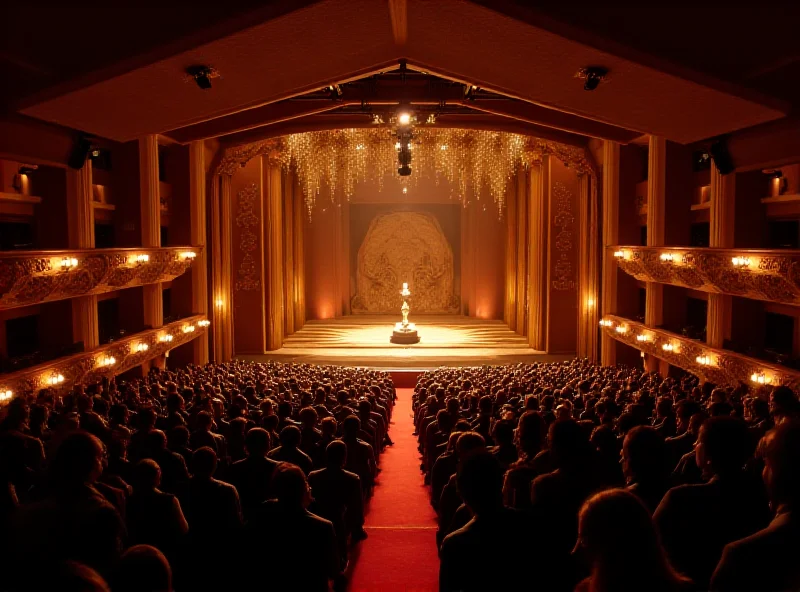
(202, 75)
(404, 118)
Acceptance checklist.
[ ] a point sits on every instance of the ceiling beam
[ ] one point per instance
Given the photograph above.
(530, 113)
(327, 122)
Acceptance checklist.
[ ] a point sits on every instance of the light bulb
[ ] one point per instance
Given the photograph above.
(404, 118)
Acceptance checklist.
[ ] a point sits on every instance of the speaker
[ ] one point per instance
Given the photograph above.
(80, 152)
(721, 157)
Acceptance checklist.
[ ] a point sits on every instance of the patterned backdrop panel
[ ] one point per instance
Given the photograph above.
(405, 247)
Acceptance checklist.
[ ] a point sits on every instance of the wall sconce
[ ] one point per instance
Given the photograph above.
(668, 347)
(760, 378)
(166, 338)
(204, 323)
(606, 322)
(740, 261)
(107, 360)
(703, 360)
(590, 302)
(141, 347)
(188, 328)
(642, 337)
(666, 257)
(188, 255)
(619, 254)
(6, 395)
(55, 379)
(219, 302)
(621, 329)
(68, 263)
(142, 258)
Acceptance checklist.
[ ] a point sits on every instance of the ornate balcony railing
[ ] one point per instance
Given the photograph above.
(719, 366)
(107, 360)
(31, 277)
(761, 274)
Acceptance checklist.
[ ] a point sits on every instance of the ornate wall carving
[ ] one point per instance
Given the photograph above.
(724, 367)
(247, 220)
(85, 367)
(772, 275)
(405, 247)
(563, 223)
(37, 276)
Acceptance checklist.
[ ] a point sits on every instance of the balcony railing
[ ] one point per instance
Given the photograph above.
(760, 274)
(107, 360)
(31, 277)
(719, 366)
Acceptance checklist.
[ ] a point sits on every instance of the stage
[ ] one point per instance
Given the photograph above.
(445, 340)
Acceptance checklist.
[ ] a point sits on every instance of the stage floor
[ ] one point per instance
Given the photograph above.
(445, 340)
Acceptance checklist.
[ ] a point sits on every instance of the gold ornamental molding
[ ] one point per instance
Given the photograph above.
(719, 366)
(31, 277)
(107, 360)
(760, 274)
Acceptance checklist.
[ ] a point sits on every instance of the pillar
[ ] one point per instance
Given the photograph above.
(608, 301)
(80, 218)
(299, 254)
(522, 251)
(721, 226)
(197, 228)
(510, 306)
(221, 259)
(587, 272)
(656, 210)
(273, 254)
(538, 213)
(150, 211)
(288, 247)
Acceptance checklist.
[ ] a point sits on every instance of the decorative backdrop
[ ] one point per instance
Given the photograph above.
(405, 247)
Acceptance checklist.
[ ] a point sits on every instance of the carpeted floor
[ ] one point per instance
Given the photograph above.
(400, 553)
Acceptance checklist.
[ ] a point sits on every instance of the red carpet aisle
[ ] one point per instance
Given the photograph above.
(400, 553)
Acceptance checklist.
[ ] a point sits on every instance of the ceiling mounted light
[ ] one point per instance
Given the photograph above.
(592, 76)
(202, 75)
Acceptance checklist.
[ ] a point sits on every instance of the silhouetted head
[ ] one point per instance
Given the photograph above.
(147, 474)
(351, 426)
(290, 436)
(143, 568)
(72, 576)
(328, 426)
(723, 446)
(290, 485)
(308, 417)
(336, 453)
(469, 443)
(568, 443)
(204, 462)
(503, 433)
(78, 459)
(644, 455)
(257, 442)
(157, 440)
(480, 482)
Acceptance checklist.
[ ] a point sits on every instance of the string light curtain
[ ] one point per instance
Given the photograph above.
(468, 159)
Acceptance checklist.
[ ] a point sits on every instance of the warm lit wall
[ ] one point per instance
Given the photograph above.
(320, 260)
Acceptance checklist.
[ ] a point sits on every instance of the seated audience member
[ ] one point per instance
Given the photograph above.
(697, 521)
(783, 404)
(174, 472)
(328, 429)
(154, 517)
(289, 452)
(289, 548)
(252, 475)
(310, 435)
(607, 445)
(143, 568)
(530, 436)
(337, 497)
(767, 560)
(687, 472)
(618, 540)
(468, 443)
(644, 465)
(504, 449)
(444, 468)
(494, 550)
(360, 455)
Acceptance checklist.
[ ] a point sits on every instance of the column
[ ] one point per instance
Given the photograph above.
(80, 218)
(299, 254)
(587, 273)
(288, 247)
(199, 269)
(510, 306)
(721, 224)
(522, 251)
(608, 302)
(344, 256)
(656, 208)
(221, 268)
(150, 208)
(537, 254)
(273, 254)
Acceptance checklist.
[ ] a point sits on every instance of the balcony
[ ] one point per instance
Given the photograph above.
(761, 274)
(31, 277)
(107, 360)
(719, 366)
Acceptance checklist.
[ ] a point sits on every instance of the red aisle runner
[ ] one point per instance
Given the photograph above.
(400, 553)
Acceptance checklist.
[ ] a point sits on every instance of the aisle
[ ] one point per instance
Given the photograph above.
(400, 553)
